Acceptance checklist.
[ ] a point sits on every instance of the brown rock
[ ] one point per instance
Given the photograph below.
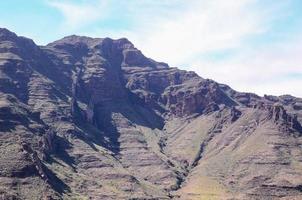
(95, 118)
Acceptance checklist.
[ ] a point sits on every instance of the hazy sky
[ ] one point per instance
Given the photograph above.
(251, 45)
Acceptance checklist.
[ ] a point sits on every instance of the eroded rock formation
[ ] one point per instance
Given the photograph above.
(94, 118)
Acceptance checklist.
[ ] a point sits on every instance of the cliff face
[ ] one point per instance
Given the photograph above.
(94, 118)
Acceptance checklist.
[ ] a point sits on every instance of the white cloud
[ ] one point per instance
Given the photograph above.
(80, 14)
(205, 26)
(272, 69)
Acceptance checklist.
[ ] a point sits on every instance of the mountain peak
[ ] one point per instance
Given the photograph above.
(4, 31)
(76, 39)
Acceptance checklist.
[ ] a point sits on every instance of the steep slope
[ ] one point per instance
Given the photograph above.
(94, 118)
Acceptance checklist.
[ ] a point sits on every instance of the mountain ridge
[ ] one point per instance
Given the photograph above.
(81, 106)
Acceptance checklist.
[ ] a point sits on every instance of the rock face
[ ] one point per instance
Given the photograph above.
(92, 118)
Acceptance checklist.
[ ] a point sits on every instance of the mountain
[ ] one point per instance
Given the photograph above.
(93, 118)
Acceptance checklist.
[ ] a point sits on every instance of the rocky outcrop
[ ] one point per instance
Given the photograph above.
(279, 115)
(47, 144)
(37, 164)
(235, 114)
(195, 97)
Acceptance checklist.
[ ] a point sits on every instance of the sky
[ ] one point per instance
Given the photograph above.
(251, 45)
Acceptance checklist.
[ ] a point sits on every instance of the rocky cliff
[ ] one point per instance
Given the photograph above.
(93, 118)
